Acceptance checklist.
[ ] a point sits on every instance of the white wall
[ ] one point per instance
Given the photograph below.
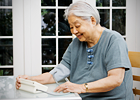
(133, 34)
(133, 21)
(138, 25)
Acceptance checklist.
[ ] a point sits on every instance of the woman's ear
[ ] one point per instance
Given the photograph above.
(93, 20)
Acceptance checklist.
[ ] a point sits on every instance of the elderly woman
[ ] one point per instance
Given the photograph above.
(96, 61)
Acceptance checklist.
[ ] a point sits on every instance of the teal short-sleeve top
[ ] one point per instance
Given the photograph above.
(91, 64)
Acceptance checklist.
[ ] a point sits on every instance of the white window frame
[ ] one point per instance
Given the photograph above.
(27, 33)
(18, 50)
(33, 65)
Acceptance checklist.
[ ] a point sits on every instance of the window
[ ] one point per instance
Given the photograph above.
(55, 32)
(34, 35)
(113, 15)
(6, 38)
(11, 37)
(37, 34)
(56, 37)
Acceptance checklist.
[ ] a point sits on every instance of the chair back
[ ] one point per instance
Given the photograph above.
(135, 62)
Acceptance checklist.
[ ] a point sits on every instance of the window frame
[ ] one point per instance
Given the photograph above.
(17, 19)
(27, 34)
(35, 10)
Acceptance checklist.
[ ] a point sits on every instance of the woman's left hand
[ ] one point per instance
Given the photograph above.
(71, 87)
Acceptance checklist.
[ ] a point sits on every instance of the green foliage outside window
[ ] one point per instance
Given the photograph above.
(6, 22)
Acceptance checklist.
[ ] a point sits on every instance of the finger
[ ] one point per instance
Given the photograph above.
(65, 91)
(56, 89)
(17, 78)
(60, 88)
(18, 85)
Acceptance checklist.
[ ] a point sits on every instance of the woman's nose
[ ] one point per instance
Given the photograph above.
(74, 31)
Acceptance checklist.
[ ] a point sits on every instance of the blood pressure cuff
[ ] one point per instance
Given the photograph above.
(60, 72)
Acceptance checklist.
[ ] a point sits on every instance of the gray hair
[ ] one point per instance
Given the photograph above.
(84, 10)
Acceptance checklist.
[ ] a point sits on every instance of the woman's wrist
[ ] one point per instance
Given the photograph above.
(84, 88)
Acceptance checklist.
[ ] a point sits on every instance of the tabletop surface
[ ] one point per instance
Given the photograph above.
(8, 91)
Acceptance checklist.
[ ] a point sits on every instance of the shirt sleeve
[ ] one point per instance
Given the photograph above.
(60, 72)
(66, 59)
(117, 55)
(63, 69)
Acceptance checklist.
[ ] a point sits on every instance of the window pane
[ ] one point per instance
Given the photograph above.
(101, 3)
(48, 19)
(64, 2)
(6, 22)
(48, 51)
(46, 69)
(6, 52)
(62, 46)
(119, 3)
(118, 20)
(63, 26)
(104, 17)
(48, 2)
(5, 2)
(6, 71)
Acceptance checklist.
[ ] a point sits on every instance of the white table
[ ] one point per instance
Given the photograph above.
(8, 91)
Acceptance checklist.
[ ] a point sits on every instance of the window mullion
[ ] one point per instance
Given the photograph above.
(57, 32)
(110, 14)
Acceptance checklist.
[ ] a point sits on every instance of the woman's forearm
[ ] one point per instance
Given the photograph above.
(103, 85)
(114, 79)
(44, 78)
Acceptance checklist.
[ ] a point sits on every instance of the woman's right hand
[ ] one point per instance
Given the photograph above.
(18, 80)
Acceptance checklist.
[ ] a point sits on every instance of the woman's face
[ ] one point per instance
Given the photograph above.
(83, 29)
